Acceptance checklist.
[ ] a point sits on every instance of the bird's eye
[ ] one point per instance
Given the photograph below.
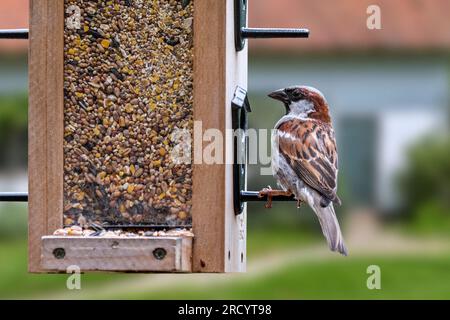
(296, 94)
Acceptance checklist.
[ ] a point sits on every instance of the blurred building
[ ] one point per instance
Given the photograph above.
(13, 53)
(13, 98)
(386, 88)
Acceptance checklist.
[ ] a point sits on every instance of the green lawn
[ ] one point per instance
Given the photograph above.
(15, 281)
(401, 277)
(325, 278)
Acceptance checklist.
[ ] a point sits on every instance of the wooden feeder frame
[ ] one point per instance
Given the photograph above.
(219, 244)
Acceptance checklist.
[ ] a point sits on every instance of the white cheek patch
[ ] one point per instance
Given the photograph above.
(301, 108)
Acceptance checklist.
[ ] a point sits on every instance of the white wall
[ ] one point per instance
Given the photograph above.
(397, 131)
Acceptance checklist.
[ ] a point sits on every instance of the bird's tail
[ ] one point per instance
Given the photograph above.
(330, 227)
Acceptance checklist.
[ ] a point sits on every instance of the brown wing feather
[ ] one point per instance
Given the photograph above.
(310, 148)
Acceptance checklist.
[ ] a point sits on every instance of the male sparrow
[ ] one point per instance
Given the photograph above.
(305, 159)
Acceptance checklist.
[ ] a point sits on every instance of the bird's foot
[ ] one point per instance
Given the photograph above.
(299, 203)
(269, 193)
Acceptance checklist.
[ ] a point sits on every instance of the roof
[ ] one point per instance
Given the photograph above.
(341, 25)
(334, 25)
(13, 15)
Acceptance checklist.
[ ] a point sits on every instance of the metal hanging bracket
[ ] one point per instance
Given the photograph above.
(241, 32)
(240, 107)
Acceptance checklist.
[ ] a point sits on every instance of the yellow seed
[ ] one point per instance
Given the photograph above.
(86, 28)
(122, 208)
(105, 122)
(154, 78)
(182, 215)
(162, 196)
(132, 169)
(162, 152)
(130, 188)
(156, 163)
(101, 175)
(128, 108)
(96, 131)
(79, 196)
(71, 51)
(105, 43)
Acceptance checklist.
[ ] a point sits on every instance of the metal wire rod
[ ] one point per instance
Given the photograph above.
(13, 33)
(13, 197)
(260, 33)
(247, 196)
(145, 226)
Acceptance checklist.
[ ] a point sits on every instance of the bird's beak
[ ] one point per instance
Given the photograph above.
(279, 95)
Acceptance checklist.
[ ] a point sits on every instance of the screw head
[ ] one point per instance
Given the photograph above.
(59, 253)
(159, 253)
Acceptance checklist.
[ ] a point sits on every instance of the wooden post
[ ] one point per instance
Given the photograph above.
(45, 124)
(220, 236)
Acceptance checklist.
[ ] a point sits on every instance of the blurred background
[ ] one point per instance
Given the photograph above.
(389, 95)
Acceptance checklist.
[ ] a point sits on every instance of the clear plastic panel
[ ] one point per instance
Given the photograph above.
(127, 91)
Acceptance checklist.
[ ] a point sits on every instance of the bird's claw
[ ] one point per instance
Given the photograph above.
(268, 204)
(271, 193)
(266, 192)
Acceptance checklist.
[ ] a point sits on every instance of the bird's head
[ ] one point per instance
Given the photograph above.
(303, 101)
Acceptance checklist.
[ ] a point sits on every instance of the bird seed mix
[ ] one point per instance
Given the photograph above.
(127, 87)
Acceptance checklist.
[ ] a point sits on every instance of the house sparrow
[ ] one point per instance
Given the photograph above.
(305, 159)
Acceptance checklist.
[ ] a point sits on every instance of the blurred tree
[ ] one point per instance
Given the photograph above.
(425, 184)
(13, 131)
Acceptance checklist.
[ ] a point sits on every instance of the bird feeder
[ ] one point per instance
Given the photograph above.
(110, 82)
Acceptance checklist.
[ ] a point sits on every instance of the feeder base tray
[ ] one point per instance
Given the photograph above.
(140, 254)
